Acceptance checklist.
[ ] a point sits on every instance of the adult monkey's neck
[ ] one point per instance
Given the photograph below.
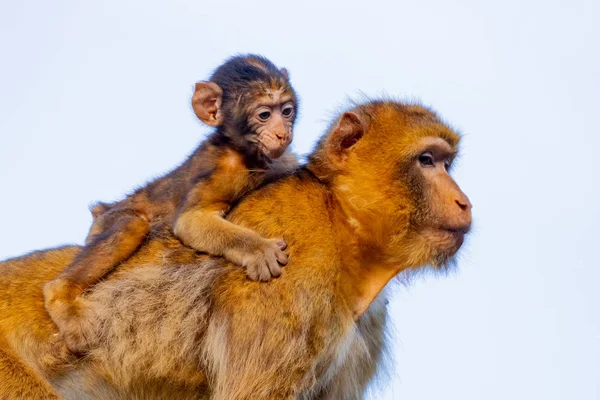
(365, 270)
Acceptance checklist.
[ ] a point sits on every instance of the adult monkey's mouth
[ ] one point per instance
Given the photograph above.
(459, 230)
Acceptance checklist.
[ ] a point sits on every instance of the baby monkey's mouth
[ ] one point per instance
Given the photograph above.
(272, 150)
(273, 146)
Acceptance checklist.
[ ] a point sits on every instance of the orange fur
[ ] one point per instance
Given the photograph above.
(173, 321)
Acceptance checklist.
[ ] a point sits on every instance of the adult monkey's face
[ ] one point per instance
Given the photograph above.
(389, 164)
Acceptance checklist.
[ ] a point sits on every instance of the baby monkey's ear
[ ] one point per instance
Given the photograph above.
(206, 102)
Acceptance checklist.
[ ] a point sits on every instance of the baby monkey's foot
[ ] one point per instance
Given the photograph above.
(263, 260)
(73, 332)
(65, 309)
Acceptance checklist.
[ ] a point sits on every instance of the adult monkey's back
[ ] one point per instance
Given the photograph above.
(375, 199)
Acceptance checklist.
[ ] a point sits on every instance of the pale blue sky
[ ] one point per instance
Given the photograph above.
(94, 99)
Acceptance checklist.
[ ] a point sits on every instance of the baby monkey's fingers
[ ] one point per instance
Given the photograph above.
(264, 262)
(262, 267)
(281, 256)
(252, 272)
(270, 257)
(273, 267)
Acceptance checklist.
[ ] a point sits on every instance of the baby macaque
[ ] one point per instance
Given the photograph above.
(252, 106)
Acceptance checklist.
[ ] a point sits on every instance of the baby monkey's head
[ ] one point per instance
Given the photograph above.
(252, 102)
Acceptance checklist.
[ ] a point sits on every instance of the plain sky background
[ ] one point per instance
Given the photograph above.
(94, 100)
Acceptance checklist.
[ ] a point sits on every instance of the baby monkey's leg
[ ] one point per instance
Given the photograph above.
(122, 235)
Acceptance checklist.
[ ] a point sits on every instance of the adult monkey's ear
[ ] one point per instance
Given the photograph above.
(333, 150)
(206, 103)
(345, 135)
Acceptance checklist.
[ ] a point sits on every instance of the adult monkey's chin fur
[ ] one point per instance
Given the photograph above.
(353, 219)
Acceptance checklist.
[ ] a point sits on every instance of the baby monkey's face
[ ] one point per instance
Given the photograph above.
(271, 120)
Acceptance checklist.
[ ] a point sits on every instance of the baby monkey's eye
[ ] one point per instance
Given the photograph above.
(426, 159)
(447, 164)
(264, 115)
(288, 111)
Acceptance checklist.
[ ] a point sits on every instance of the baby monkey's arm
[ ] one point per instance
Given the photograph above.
(200, 224)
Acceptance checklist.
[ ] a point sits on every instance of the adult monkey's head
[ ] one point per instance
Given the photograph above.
(252, 102)
(388, 165)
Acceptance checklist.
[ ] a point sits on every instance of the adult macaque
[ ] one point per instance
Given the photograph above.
(253, 107)
(375, 199)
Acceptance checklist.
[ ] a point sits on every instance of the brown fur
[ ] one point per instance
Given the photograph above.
(170, 320)
(22, 382)
(193, 199)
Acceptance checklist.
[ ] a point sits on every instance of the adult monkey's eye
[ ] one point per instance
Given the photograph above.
(426, 159)
(447, 164)
(264, 115)
(288, 111)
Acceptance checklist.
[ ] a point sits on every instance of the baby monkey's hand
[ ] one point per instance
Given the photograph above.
(261, 259)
